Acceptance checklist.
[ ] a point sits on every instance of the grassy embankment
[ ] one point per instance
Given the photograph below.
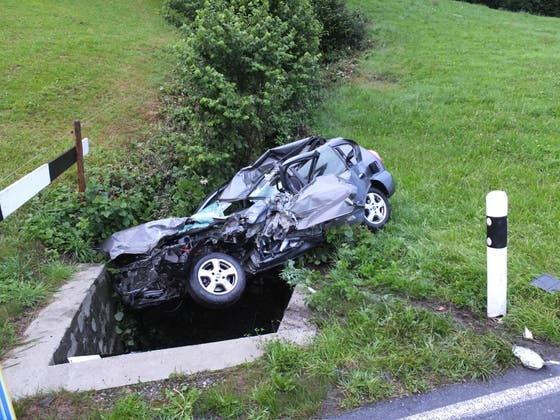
(462, 100)
(98, 62)
(459, 100)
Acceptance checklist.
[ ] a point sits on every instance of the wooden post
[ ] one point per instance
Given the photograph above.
(79, 157)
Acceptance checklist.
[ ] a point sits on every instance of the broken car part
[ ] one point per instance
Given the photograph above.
(547, 283)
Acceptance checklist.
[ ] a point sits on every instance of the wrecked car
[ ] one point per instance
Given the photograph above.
(268, 213)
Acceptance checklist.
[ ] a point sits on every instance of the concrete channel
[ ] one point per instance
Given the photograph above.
(80, 321)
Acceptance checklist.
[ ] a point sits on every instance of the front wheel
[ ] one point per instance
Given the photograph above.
(217, 280)
(377, 211)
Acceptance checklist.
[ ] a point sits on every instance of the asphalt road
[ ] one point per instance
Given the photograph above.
(519, 394)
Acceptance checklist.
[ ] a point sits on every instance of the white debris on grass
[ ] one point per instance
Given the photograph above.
(528, 357)
(527, 334)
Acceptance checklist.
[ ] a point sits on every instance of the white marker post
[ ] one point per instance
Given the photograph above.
(496, 251)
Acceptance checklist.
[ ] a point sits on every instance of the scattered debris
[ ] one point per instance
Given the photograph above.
(529, 358)
(46, 402)
(270, 212)
(527, 334)
(547, 283)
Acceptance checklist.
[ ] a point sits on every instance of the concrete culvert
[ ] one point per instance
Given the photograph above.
(184, 322)
(81, 321)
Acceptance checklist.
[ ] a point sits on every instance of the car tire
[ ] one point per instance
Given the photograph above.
(217, 280)
(377, 211)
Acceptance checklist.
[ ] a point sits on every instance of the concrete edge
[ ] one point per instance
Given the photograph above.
(28, 370)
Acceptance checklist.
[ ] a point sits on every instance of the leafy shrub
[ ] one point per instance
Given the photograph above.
(113, 200)
(152, 183)
(538, 7)
(246, 77)
(181, 12)
(344, 29)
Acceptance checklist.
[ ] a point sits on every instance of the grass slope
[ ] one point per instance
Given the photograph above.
(460, 100)
(97, 61)
(101, 62)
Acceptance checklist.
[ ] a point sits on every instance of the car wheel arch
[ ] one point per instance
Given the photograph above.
(380, 186)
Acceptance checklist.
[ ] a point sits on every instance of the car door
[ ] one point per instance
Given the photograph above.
(323, 185)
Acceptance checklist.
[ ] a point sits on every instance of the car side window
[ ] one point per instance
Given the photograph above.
(329, 162)
(348, 153)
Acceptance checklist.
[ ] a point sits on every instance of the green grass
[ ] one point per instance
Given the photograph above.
(100, 62)
(459, 100)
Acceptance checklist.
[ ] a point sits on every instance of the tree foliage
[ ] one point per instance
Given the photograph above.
(344, 29)
(537, 7)
(246, 78)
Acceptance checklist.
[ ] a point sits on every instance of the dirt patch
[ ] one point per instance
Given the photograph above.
(548, 351)
(331, 404)
(151, 110)
(465, 317)
(374, 81)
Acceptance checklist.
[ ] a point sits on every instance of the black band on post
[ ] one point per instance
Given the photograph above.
(496, 232)
(62, 163)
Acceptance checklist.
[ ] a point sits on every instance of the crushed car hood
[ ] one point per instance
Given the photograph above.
(143, 238)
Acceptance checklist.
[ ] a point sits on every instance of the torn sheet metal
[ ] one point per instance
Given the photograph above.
(143, 238)
(547, 282)
(270, 212)
(243, 183)
(327, 198)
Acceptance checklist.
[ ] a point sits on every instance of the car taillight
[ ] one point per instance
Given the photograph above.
(374, 153)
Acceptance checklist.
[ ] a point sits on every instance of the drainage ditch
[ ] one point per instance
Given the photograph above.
(81, 321)
(183, 323)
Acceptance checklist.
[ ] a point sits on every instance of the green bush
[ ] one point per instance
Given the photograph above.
(152, 183)
(74, 227)
(246, 78)
(537, 7)
(344, 29)
(181, 12)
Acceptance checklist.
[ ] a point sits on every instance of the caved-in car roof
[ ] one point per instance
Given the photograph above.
(243, 182)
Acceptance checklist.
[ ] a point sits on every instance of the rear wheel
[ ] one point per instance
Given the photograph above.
(377, 211)
(217, 280)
